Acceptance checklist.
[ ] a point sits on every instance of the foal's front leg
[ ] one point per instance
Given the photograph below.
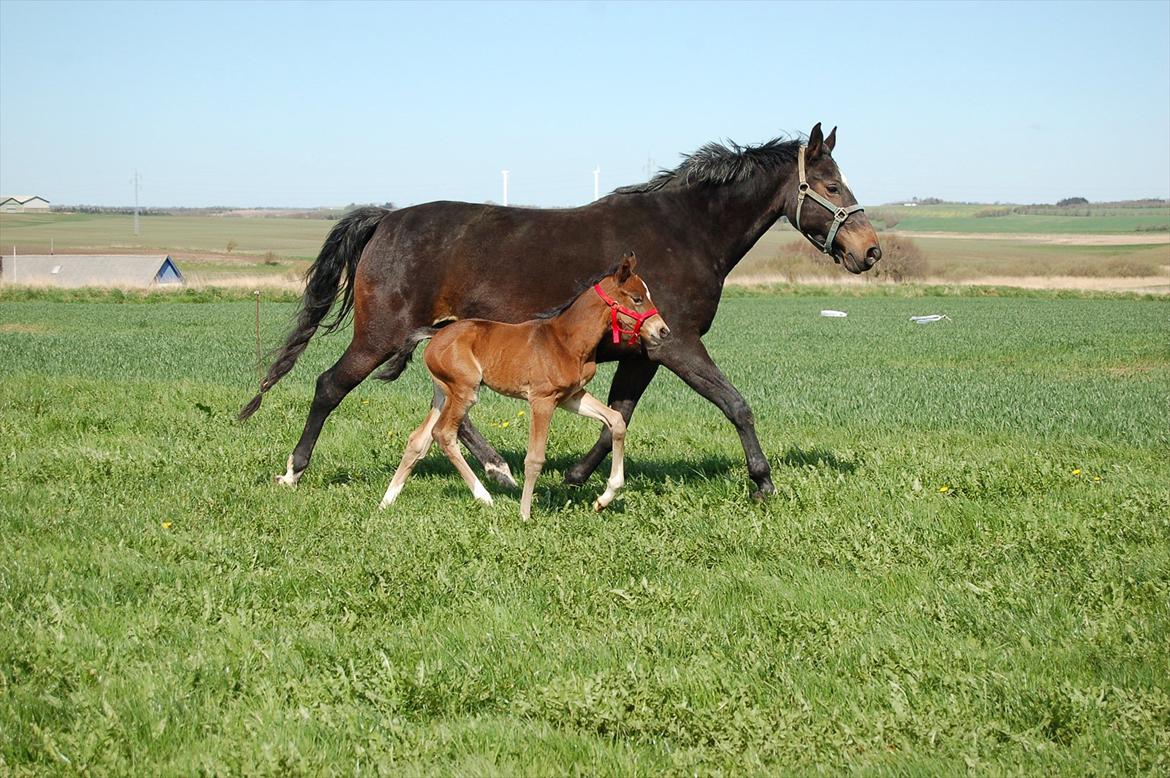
(541, 416)
(590, 407)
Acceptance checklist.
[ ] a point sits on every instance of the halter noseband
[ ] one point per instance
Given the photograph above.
(839, 214)
(615, 309)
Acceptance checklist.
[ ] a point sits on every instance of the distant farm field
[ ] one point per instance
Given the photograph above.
(266, 249)
(966, 568)
(964, 217)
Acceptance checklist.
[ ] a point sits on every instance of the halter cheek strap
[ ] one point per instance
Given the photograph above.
(615, 309)
(839, 214)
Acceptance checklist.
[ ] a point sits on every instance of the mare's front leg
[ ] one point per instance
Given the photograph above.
(629, 382)
(541, 411)
(589, 406)
(689, 360)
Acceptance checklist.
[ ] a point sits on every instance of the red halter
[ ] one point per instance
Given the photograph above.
(615, 309)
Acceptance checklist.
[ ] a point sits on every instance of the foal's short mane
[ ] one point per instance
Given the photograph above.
(552, 313)
(718, 163)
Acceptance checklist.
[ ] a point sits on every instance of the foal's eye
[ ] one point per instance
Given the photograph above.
(637, 301)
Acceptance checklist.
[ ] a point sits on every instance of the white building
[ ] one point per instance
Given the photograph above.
(74, 270)
(23, 203)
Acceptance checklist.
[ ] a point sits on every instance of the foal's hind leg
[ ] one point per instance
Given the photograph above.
(458, 403)
(589, 406)
(416, 448)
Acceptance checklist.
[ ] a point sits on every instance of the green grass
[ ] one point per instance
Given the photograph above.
(168, 610)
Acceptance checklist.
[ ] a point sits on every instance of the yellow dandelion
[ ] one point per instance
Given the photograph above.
(167, 525)
(1077, 471)
(521, 413)
(1096, 478)
(943, 489)
(505, 424)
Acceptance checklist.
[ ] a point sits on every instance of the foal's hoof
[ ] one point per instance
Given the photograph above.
(765, 491)
(285, 479)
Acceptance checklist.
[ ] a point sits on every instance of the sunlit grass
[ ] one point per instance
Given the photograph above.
(966, 566)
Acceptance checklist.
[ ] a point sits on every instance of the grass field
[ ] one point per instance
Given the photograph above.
(966, 568)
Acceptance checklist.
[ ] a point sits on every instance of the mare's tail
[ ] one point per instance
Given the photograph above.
(329, 277)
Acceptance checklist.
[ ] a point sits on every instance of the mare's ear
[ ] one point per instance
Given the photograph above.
(815, 139)
(626, 269)
(831, 141)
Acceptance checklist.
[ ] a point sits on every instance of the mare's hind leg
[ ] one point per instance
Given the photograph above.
(589, 406)
(358, 361)
(458, 403)
(416, 448)
(493, 464)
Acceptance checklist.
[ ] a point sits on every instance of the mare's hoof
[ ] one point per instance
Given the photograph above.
(285, 480)
(501, 475)
(765, 491)
(575, 477)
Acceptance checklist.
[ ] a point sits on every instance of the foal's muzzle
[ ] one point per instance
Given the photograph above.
(654, 330)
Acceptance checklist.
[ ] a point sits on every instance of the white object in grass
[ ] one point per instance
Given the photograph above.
(834, 314)
(931, 319)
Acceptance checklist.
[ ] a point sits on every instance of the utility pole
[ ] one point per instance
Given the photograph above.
(137, 181)
(505, 173)
(597, 182)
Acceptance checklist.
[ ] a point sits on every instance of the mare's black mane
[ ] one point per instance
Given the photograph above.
(718, 163)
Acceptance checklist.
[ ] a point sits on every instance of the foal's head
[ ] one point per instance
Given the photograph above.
(631, 298)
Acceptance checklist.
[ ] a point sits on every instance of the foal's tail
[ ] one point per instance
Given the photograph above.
(329, 277)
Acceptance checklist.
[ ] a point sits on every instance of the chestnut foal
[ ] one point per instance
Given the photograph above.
(546, 361)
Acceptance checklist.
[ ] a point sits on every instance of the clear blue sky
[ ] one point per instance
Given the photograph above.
(305, 104)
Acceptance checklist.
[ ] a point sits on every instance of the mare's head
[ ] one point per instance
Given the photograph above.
(824, 209)
(631, 301)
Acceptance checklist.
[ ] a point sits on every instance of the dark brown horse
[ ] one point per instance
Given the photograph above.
(546, 361)
(401, 272)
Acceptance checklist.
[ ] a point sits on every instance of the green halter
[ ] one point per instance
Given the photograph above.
(839, 214)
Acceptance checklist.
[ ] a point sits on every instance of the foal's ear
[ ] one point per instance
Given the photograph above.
(815, 139)
(831, 141)
(626, 269)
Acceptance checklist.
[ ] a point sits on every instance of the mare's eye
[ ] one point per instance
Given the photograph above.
(832, 189)
(637, 301)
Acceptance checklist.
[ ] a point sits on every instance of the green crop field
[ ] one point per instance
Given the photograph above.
(31, 233)
(962, 217)
(966, 568)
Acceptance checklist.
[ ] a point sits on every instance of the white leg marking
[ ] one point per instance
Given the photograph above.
(289, 478)
(481, 494)
(392, 493)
